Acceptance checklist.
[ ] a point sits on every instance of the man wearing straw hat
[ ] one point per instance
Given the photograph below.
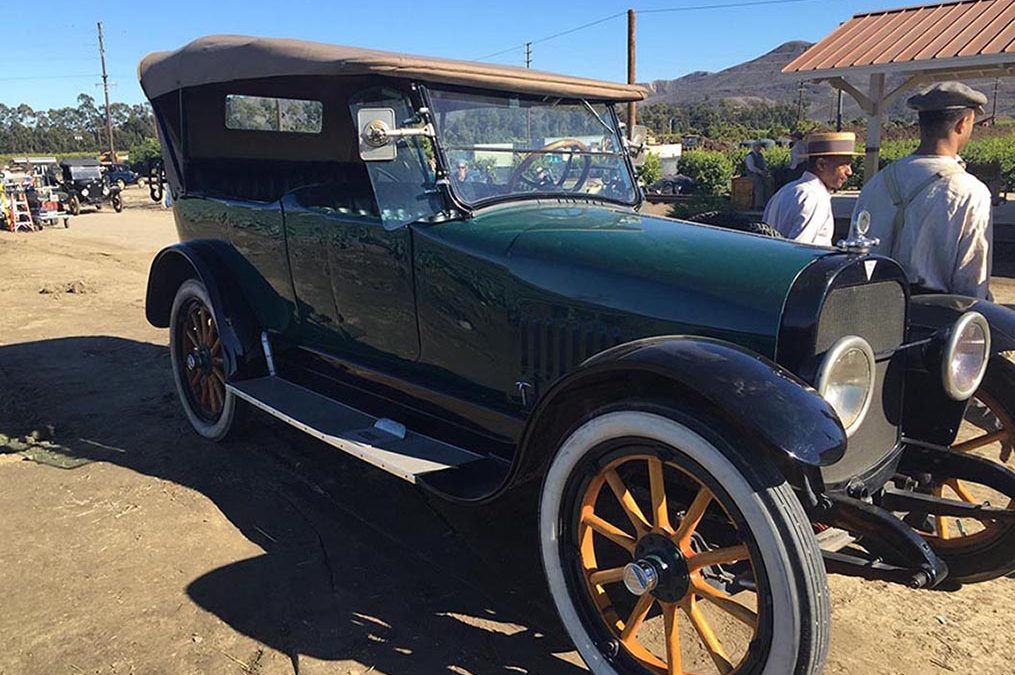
(930, 215)
(802, 210)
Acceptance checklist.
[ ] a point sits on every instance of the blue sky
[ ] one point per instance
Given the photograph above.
(670, 44)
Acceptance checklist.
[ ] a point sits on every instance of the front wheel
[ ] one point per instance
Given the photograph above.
(73, 205)
(666, 551)
(973, 550)
(198, 364)
(117, 201)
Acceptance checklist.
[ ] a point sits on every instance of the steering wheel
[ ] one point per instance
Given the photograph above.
(518, 177)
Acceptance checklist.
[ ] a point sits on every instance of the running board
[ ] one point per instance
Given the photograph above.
(382, 442)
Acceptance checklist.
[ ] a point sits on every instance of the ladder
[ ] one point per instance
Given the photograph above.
(20, 212)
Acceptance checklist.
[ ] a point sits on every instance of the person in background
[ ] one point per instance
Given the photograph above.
(930, 215)
(802, 210)
(757, 170)
(797, 156)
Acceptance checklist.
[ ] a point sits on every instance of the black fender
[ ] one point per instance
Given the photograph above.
(760, 399)
(933, 416)
(929, 313)
(232, 283)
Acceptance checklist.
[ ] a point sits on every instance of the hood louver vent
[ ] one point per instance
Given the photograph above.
(552, 347)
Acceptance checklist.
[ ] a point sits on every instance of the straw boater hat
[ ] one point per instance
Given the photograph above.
(836, 143)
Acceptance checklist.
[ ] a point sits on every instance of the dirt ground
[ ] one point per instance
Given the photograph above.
(132, 546)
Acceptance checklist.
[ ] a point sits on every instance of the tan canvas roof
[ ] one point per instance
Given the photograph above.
(226, 58)
(959, 36)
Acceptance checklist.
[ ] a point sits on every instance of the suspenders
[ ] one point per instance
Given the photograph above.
(902, 203)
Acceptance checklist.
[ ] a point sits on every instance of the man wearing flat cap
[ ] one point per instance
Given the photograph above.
(802, 210)
(930, 215)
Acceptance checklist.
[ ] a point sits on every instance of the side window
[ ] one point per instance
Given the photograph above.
(404, 187)
(262, 113)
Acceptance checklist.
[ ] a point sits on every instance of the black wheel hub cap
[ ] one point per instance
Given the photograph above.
(659, 567)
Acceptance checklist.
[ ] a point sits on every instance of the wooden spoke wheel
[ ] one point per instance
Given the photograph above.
(977, 550)
(658, 604)
(199, 362)
(664, 554)
(202, 360)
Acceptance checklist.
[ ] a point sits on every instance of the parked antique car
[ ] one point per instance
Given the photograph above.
(85, 184)
(712, 418)
(121, 175)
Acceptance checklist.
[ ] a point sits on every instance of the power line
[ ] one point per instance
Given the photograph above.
(692, 8)
(554, 36)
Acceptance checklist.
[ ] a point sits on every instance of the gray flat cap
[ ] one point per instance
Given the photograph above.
(947, 96)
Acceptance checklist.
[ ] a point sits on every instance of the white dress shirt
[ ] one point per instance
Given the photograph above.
(802, 211)
(946, 239)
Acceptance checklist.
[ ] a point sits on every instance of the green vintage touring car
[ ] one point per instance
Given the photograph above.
(440, 267)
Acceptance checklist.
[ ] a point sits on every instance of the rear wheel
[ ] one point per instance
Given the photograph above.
(198, 365)
(980, 550)
(666, 551)
(73, 205)
(117, 202)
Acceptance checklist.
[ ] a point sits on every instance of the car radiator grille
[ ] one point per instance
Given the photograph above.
(877, 313)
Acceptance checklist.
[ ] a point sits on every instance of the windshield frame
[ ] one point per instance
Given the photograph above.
(444, 166)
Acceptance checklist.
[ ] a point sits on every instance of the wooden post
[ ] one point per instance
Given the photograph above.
(875, 117)
(632, 113)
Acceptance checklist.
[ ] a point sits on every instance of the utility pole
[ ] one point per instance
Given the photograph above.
(528, 54)
(105, 88)
(631, 110)
(800, 103)
(838, 112)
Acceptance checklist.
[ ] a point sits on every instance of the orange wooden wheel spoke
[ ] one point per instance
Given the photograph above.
(940, 521)
(216, 346)
(704, 630)
(673, 665)
(694, 514)
(195, 321)
(744, 615)
(719, 556)
(637, 617)
(981, 441)
(660, 515)
(607, 576)
(195, 380)
(218, 375)
(626, 499)
(190, 337)
(216, 396)
(608, 530)
(960, 489)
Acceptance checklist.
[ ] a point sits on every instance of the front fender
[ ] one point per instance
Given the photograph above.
(214, 263)
(759, 398)
(928, 313)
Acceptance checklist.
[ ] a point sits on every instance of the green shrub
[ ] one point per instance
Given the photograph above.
(144, 151)
(711, 170)
(698, 204)
(651, 170)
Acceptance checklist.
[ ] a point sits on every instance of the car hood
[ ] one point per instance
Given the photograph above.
(684, 277)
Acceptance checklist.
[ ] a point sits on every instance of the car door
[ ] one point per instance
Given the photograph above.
(352, 276)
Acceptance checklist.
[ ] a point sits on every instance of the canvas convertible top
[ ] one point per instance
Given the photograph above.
(227, 58)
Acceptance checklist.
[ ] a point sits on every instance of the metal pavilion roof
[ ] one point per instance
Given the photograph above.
(961, 37)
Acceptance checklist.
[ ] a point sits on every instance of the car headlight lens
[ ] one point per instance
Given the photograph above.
(846, 380)
(84, 193)
(965, 356)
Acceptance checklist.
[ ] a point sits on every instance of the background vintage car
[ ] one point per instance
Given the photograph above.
(701, 407)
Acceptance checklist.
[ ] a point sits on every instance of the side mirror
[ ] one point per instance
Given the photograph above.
(636, 144)
(378, 134)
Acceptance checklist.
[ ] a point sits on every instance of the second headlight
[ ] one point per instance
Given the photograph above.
(846, 380)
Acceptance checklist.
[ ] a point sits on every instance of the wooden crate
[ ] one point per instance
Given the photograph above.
(742, 194)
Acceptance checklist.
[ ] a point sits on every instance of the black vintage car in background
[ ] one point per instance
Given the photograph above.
(440, 267)
(85, 183)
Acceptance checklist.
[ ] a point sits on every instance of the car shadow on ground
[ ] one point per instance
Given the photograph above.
(356, 565)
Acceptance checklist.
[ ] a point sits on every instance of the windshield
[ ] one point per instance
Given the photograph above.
(85, 172)
(499, 146)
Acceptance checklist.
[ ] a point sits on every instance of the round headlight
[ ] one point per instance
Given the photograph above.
(846, 380)
(965, 356)
(84, 192)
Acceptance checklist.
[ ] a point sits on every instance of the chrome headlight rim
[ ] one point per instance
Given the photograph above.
(948, 354)
(827, 370)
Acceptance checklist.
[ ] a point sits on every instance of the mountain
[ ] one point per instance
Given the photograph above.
(761, 79)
